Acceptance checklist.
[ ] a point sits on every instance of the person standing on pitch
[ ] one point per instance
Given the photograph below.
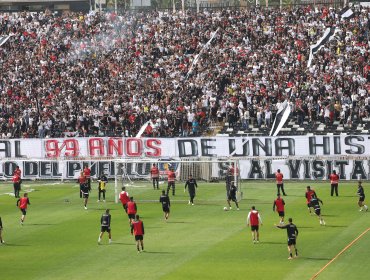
(22, 203)
(87, 173)
(85, 194)
(310, 193)
(191, 184)
(18, 172)
(137, 229)
(334, 180)
(254, 219)
(315, 203)
(16, 184)
(102, 183)
(171, 177)
(292, 232)
(166, 204)
(131, 210)
(1, 232)
(279, 182)
(232, 195)
(124, 197)
(361, 199)
(154, 173)
(279, 204)
(82, 181)
(105, 221)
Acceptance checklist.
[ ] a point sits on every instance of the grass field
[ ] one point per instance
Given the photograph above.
(59, 238)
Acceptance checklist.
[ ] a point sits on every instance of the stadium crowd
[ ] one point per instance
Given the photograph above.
(107, 74)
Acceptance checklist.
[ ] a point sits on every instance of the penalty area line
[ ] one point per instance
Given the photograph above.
(341, 252)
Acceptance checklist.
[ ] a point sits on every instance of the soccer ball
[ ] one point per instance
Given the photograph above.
(225, 208)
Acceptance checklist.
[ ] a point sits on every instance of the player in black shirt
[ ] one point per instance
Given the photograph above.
(105, 221)
(191, 183)
(1, 231)
(85, 194)
(315, 203)
(292, 232)
(102, 181)
(166, 204)
(361, 199)
(232, 195)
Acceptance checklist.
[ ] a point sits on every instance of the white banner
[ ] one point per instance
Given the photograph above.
(298, 157)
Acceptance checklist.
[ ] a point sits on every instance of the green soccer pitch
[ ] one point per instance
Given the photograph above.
(59, 238)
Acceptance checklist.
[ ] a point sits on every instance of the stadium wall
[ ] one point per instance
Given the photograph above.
(298, 157)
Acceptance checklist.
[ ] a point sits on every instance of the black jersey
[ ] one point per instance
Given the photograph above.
(165, 200)
(360, 191)
(233, 190)
(291, 230)
(105, 220)
(315, 203)
(85, 189)
(191, 184)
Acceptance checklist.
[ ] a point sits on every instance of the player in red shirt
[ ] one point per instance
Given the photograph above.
(334, 180)
(87, 173)
(254, 219)
(82, 181)
(131, 210)
(19, 173)
(22, 203)
(171, 177)
(154, 173)
(124, 197)
(137, 229)
(279, 182)
(16, 184)
(279, 204)
(310, 193)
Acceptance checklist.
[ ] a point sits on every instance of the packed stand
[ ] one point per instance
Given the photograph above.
(108, 75)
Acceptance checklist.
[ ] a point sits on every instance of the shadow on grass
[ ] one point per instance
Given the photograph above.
(334, 226)
(273, 243)
(155, 252)
(117, 243)
(40, 224)
(15, 245)
(315, 258)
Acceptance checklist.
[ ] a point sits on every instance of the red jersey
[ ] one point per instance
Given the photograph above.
(279, 203)
(233, 171)
(171, 176)
(87, 172)
(18, 172)
(309, 195)
(137, 227)
(154, 171)
(279, 177)
(23, 202)
(131, 207)
(124, 197)
(334, 178)
(82, 180)
(16, 179)
(254, 218)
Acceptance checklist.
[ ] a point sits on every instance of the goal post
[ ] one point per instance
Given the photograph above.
(135, 173)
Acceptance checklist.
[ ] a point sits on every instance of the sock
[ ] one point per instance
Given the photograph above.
(365, 207)
(291, 255)
(138, 249)
(296, 252)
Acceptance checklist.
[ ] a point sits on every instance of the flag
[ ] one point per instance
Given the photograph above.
(282, 116)
(347, 13)
(196, 58)
(3, 39)
(328, 35)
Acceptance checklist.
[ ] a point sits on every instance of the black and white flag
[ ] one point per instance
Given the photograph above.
(3, 39)
(282, 115)
(347, 13)
(328, 35)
